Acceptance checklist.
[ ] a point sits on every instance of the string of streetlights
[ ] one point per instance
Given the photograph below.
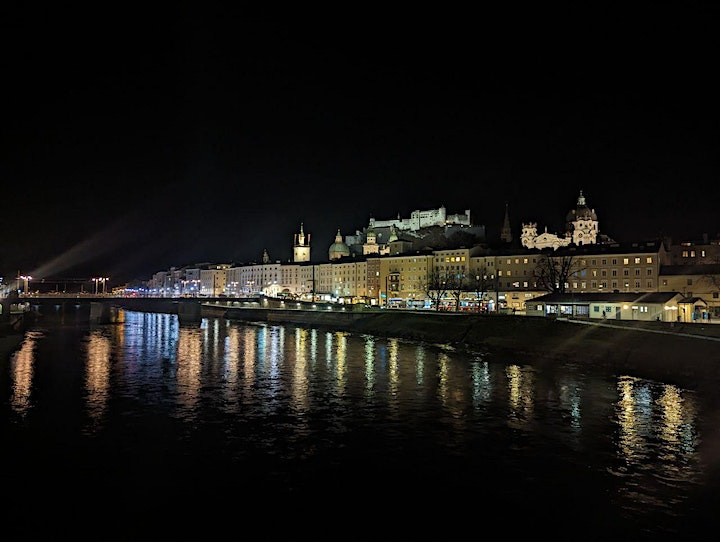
(97, 280)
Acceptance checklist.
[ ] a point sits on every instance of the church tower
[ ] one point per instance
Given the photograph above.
(505, 233)
(301, 246)
(583, 223)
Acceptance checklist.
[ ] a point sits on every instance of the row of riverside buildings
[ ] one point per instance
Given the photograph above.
(389, 264)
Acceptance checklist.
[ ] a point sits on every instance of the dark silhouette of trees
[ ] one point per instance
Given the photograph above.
(435, 287)
(554, 272)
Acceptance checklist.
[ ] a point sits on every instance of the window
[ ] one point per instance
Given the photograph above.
(626, 272)
(604, 261)
(684, 253)
(637, 284)
(603, 272)
(614, 261)
(626, 261)
(613, 273)
(649, 272)
(637, 260)
(637, 272)
(614, 284)
(649, 259)
(649, 284)
(593, 284)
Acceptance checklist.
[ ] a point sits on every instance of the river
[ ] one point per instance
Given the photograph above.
(148, 428)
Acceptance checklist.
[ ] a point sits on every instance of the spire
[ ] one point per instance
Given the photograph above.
(506, 234)
(266, 256)
(581, 199)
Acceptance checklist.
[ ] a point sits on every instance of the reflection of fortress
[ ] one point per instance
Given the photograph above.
(423, 219)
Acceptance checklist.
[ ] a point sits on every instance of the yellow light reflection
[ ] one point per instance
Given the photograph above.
(341, 355)
(369, 366)
(393, 370)
(443, 361)
(231, 361)
(248, 345)
(97, 374)
(629, 441)
(189, 362)
(521, 394)
(21, 371)
(300, 373)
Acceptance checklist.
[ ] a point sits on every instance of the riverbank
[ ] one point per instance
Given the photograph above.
(685, 354)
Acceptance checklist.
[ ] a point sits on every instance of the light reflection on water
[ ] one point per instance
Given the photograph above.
(305, 409)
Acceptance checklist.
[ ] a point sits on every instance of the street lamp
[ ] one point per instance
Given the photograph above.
(97, 281)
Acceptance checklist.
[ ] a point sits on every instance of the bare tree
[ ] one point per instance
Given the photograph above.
(713, 276)
(456, 285)
(484, 281)
(553, 273)
(435, 286)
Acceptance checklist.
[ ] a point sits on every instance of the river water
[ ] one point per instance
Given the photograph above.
(148, 428)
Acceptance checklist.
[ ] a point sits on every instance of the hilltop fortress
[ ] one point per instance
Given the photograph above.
(424, 219)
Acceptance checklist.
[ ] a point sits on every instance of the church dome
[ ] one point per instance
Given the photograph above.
(581, 211)
(338, 249)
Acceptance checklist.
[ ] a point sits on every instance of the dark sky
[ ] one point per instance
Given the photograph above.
(129, 147)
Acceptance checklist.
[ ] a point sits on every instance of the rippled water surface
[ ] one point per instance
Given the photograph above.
(151, 429)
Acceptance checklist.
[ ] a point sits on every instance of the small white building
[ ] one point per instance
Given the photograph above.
(653, 306)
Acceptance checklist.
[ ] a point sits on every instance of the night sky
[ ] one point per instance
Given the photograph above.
(129, 147)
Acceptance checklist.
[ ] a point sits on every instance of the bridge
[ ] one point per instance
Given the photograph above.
(105, 309)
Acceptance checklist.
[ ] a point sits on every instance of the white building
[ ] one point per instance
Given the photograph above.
(424, 219)
(581, 229)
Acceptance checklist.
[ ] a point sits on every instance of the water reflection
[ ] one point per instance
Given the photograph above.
(21, 368)
(297, 400)
(98, 349)
(188, 372)
(521, 395)
(656, 444)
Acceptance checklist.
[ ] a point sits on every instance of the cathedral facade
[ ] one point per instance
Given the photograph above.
(581, 228)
